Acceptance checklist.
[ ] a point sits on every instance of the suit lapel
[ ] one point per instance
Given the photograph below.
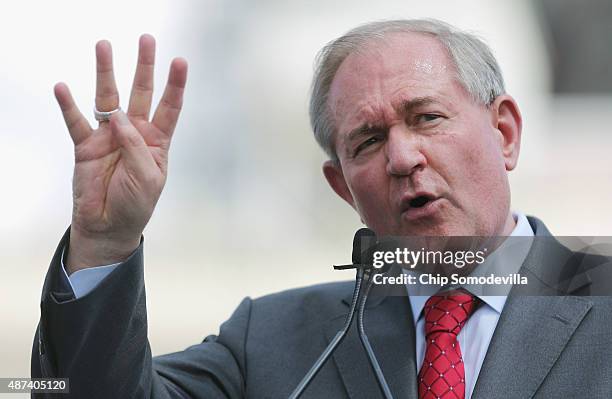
(388, 323)
(531, 334)
(533, 330)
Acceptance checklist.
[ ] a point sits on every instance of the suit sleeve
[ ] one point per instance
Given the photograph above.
(100, 343)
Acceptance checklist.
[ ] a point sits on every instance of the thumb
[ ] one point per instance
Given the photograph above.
(134, 150)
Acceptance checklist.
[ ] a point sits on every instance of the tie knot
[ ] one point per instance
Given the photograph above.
(449, 311)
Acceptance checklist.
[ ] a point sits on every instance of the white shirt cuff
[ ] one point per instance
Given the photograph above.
(83, 281)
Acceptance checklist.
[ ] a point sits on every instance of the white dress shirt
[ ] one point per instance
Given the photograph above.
(475, 336)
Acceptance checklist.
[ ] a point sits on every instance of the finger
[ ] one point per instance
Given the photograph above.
(134, 150)
(78, 127)
(142, 88)
(169, 108)
(107, 97)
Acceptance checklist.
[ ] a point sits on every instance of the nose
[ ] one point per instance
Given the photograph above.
(404, 152)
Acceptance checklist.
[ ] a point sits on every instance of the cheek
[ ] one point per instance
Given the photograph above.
(369, 185)
(486, 157)
(481, 170)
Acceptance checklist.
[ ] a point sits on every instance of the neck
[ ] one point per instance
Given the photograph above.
(509, 225)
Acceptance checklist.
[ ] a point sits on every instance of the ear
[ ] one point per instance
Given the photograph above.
(508, 121)
(333, 173)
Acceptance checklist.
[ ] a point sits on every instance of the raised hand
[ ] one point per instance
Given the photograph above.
(120, 167)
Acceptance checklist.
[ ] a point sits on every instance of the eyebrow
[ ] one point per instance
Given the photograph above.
(407, 106)
(403, 108)
(362, 130)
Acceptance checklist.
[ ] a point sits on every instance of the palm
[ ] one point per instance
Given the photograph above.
(103, 182)
(120, 168)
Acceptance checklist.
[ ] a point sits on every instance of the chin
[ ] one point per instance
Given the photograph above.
(437, 229)
(437, 226)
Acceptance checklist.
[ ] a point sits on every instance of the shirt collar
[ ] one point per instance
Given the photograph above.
(419, 294)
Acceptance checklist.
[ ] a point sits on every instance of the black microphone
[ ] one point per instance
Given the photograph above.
(364, 243)
(360, 260)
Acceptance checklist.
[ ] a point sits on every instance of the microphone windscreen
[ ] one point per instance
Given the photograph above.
(363, 241)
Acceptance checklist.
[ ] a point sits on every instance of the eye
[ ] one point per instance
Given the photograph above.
(427, 117)
(366, 144)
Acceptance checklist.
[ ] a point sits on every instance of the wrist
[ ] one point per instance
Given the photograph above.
(91, 250)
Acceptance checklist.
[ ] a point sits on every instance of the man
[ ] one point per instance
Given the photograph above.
(420, 135)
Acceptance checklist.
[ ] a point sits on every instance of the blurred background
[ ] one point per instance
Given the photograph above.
(246, 210)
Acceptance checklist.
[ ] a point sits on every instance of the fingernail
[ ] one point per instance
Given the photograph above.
(122, 118)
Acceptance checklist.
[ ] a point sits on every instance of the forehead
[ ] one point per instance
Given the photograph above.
(397, 68)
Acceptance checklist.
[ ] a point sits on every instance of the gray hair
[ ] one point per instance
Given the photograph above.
(476, 67)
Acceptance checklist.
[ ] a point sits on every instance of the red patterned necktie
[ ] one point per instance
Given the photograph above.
(442, 375)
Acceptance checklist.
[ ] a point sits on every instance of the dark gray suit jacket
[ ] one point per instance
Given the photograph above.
(543, 347)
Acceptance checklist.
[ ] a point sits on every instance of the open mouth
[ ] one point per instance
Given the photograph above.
(420, 201)
(422, 205)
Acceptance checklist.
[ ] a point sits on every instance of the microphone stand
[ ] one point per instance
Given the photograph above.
(365, 342)
(362, 271)
(340, 335)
